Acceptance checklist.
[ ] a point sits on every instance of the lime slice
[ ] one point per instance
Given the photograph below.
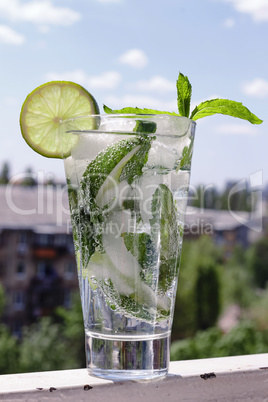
(44, 109)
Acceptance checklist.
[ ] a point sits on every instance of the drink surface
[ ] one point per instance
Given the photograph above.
(128, 196)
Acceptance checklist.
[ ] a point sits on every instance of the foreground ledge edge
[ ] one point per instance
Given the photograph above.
(192, 378)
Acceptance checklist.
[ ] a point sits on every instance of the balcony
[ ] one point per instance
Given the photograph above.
(239, 378)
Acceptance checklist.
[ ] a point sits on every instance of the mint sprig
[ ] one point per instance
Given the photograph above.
(164, 224)
(184, 94)
(135, 110)
(207, 108)
(226, 107)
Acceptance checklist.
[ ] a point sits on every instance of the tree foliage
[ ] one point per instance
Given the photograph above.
(53, 343)
(241, 340)
(207, 295)
(210, 197)
(44, 348)
(259, 262)
(199, 260)
(9, 351)
(5, 173)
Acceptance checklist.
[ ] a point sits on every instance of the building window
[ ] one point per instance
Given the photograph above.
(44, 240)
(70, 270)
(19, 300)
(60, 240)
(23, 242)
(44, 268)
(21, 270)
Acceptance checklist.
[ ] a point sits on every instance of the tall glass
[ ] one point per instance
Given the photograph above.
(128, 178)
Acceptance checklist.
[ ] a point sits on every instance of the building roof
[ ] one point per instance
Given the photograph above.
(43, 209)
(219, 219)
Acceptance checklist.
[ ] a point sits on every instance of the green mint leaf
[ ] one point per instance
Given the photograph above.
(185, 162)
(184, 93)
(109, 162)
(136, 110)
(145, 127)
(143, 249)
(226, 107)
(83, 227)
(165, 221)
(135, 306)
(133, 168)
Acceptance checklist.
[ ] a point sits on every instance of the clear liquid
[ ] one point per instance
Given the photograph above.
(128, 274)
(129, 358)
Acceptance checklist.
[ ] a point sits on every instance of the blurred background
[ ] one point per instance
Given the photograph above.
(130, 54)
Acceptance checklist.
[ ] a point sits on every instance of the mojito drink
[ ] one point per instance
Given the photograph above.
(128, 179)
(128, 176)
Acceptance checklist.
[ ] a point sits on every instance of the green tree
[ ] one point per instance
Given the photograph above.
(259, 262)
(9, 351)
(44, 348)
(5, 174)
(8, 343)
(237, 279)
(2, 300)
(205, 197)
(29, 179)
(238, 201)
(207, 295)
(73, 330)
(54, 343)
(194, 254)
(243, 339)
(258, 311)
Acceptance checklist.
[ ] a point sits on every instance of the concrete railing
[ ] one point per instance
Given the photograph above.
(240, 378)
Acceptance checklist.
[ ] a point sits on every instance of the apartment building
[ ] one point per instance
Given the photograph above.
(37, 262)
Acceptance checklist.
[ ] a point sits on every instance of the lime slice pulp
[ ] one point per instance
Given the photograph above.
(44, 109)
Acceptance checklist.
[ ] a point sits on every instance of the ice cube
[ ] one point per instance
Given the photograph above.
(161, 156)
(90, 144)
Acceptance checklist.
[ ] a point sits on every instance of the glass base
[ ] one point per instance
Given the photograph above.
(127, 357)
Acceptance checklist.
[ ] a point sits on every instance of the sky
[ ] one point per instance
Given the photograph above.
(129, 53)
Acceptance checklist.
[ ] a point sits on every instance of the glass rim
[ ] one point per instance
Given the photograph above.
(127, 115)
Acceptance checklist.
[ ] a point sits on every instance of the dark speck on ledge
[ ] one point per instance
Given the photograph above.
(87, 387)
(206, 376)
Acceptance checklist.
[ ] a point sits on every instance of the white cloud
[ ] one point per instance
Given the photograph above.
(258, 9)
(154, 84)
(257, 88)
(41, 12)
(107, 80)
(141, 101)
(135, 58)
(237, 129)
(229, 23)
(9, 36)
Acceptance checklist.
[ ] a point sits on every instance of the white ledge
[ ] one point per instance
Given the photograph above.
(239, 378)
